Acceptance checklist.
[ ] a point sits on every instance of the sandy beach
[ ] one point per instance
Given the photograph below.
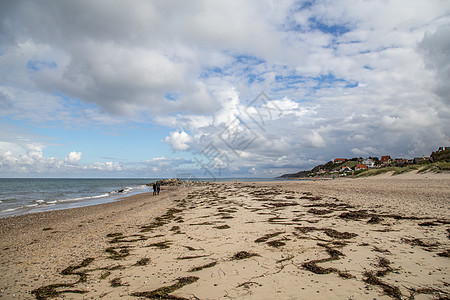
(386, 237)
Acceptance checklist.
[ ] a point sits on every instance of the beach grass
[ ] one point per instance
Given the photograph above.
(436, 167)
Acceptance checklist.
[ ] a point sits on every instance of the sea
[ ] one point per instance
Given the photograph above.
(20, 196)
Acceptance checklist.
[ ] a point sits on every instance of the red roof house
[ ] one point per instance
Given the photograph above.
(360, 167)
(385, 158)
(339, 160)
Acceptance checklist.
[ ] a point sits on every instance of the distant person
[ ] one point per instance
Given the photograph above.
(158, 187)
(154, 188)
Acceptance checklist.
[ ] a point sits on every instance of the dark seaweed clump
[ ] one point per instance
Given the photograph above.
(164, 292)
(161, 245)
(223, 227)
(445, 253)
(320, 211)
(339, 235)
(124, 251)
(116, 282)
(276, 244)
(51, 291)
(243, 255)
(389, 290)
(266, 237)
(355, 215)
(143, 261)
(162, 220)
(70, 270)
(334, 254)
(210, 265)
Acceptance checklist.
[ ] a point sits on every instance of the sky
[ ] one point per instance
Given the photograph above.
(212, 89)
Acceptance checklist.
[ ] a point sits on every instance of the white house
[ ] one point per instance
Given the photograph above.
(370, 163)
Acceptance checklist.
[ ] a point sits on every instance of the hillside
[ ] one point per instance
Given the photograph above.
(438, 161)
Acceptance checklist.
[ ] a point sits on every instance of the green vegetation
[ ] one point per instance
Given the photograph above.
(436, 167)
(441, 155)
(439, 161)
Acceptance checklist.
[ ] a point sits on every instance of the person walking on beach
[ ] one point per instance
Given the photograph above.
(154, 188)
(158, 187)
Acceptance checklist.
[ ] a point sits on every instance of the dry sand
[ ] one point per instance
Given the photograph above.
(377, 238)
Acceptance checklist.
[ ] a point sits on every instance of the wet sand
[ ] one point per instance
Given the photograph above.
(384, 237)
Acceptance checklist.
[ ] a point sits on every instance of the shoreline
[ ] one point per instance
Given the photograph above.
(260, 240)
(119, 190)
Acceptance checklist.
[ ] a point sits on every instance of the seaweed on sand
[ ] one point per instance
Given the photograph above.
(116, 282)
(50, 291)
(201, 224)
(374, 220)
(389, 290)
(142, 262)
(115, 234)
(105, 274)
(311, 198)
(313, 267)
(320, 211)
(116, 255)
(266, 237)
(276, 244)
(70, 269)
(282, 204)
(355, 215)
(226, 216)
(191, 257)
(161, 245)
(306, 229)
(210, 265)
(375, 248)
(339, 235)
(439, 294)
(383, 263)
(161, 220)
(243, 255)
(119, 238)
(338, 206)
(419, 242)
(334, 255)
(328, 231)
(222, 227)
(429, 223)
(165, 292)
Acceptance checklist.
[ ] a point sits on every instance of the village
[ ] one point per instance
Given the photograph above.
(354, 166)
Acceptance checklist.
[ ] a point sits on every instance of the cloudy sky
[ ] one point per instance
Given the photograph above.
(218, 88)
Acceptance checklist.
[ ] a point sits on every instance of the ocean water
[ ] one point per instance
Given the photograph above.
(30, 195)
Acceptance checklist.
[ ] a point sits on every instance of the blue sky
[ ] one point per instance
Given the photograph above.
(218, 88)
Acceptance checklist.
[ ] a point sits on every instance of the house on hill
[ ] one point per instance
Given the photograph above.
(386, 159)
(370, 163)
(420, 160)
(360, 167)
(346, 169)
(400, 162)
(339, 160)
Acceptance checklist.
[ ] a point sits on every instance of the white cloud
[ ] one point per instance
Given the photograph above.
(106, 166)
(347, 77)
(179, 140)
(73, 158)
